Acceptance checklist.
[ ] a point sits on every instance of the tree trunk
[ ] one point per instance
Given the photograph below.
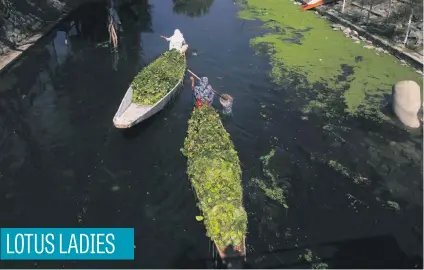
(408, 27)
(343, 6)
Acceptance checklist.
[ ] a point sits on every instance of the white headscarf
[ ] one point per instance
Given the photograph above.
(178, 36)
(177, 40)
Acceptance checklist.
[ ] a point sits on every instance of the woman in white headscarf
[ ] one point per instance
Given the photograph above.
(177, 42)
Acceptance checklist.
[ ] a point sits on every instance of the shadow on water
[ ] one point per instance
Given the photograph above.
(88, 22)
(137, 14)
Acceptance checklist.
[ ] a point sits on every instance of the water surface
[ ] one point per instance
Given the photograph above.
(63, 164)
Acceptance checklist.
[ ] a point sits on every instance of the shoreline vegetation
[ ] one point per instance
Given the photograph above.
(213, 168)
(156, 80)
(327, 66)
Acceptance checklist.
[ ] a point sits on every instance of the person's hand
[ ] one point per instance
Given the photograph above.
(191, 78)
(163, 37)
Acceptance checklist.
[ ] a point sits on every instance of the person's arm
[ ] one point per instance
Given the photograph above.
(192, 82)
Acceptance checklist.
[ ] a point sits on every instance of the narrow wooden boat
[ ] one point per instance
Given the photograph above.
(242, 251)
(213, 168)
(130, 113)
(312, 4)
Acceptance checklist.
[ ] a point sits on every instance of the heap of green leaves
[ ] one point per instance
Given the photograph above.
(215, 173)
(155, 81)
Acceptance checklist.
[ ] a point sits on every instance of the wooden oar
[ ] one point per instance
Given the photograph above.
(224, 97)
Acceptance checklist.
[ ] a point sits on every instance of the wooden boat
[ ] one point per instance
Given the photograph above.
(238, 251)
(242, 251)
(130, 113)
(312, 4)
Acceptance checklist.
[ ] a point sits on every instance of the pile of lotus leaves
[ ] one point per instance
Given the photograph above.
(214, 171)
(155, 81)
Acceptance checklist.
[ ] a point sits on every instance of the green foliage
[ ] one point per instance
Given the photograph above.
(157, 79)
(214, 171)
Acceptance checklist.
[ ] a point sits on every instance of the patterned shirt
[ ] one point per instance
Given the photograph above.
(204, 91)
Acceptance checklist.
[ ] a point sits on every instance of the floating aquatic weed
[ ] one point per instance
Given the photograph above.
(357, 179)
(271, 190)
(155, 81)
(319, 58)
(338, 167)
(320, 266)
(393, 205)
(288, 233)
(274, 193)
(354, 201)
(310, 257)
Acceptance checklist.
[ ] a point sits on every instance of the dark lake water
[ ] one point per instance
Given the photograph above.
(63, 164)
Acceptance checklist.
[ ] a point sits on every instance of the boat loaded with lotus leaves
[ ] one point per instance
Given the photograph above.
(213, 168)
(151, 90)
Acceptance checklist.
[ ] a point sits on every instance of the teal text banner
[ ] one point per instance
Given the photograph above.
(67, 244)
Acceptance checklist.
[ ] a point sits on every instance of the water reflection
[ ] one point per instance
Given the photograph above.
(137, 14)
(192, 8)
(44, 116)
(87, 23)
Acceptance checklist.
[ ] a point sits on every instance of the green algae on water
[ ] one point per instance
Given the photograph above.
(299, 42)
(357, 179)
(270, 187)
(310, 257)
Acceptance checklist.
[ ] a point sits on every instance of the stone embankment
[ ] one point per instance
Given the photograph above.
(23, 22)
(20, 20)
(360, 35)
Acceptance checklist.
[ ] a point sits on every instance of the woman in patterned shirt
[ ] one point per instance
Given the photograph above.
(202, 93)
